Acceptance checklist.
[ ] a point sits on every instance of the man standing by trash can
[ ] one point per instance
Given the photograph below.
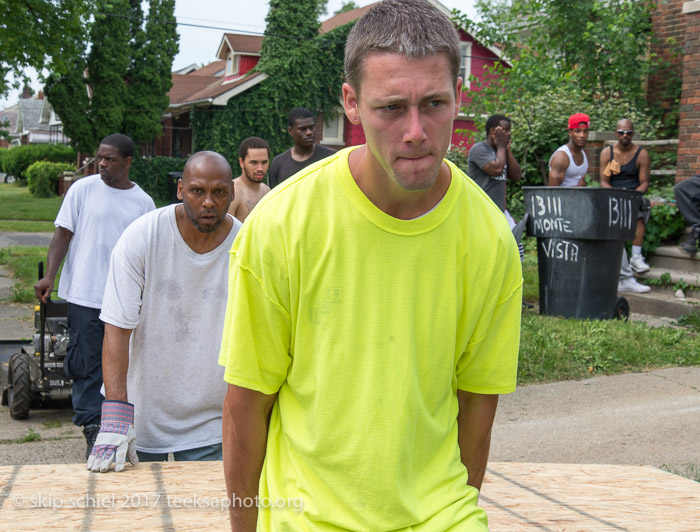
(374, 310)
(302, 129)
(94, 213)
(163, 310)
(626, 166)
(568, 164)
(687, 194)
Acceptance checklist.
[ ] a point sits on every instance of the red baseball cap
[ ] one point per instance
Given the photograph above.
(576, 120)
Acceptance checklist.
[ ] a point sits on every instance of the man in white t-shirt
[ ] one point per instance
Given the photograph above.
(94, 213)
(163, 311)
(569, 164)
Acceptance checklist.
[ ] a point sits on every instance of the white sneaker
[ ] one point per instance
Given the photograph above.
(638, 264)
(631, 285)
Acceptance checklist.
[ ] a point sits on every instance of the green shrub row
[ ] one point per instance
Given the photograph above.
(15, 161)
(151, 174)
(43, 177)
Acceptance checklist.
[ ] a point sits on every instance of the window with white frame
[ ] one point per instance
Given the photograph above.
(465, 67)
(231, 64)
(333, 131)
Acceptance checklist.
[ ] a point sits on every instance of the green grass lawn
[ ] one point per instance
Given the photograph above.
(16, 203)
(23, 262)
(556, 349)
(26, 226)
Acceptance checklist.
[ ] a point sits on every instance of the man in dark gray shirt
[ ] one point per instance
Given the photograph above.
(491, 161)
(302, 128)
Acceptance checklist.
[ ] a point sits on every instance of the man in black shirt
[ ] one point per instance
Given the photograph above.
(304, 152)
(627, 166)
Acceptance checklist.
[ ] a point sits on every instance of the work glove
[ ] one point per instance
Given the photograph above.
(116, 440)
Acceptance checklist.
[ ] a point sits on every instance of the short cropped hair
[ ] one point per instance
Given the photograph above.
(412, 28)
(495, 121)
(298, 114)
(124, 144)
(254, 143)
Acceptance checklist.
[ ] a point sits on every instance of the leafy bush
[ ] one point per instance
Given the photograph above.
(18, 159)
(665, 224)
(3, 151)
(43, 177)
(151, 174)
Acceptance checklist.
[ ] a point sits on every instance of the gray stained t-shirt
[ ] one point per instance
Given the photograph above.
(174, 300)
(283, 166)
(495, 186)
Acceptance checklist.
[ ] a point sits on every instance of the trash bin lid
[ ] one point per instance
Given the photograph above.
(582, 213)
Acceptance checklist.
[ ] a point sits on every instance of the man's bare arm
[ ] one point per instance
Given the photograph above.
(244, 429)
(236, 204)
(644, 167)
(115, 362)
(604, 160)
(558, 166)
(475, 419)
(57, 252)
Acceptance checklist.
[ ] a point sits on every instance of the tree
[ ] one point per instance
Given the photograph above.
(149, 77)
(121, 84)
(347, 6)
(39, 34)
(565, 56)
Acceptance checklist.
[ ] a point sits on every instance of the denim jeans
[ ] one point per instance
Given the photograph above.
(83, 363)
(208, 453)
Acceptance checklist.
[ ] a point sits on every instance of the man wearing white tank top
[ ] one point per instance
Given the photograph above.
(569, 164)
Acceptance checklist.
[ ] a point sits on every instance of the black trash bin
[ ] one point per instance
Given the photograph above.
(580, 236)
(173, 178)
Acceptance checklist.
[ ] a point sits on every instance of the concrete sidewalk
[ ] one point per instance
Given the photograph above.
(634, 419)
(638, 418)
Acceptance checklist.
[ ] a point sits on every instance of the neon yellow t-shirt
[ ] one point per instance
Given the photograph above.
(367, 325)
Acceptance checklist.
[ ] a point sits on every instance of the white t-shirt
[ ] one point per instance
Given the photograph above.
(96, 214)
(174, 299)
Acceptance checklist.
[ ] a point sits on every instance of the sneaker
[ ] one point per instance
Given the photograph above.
(638, 264)
(90, 432)
(690, 246)
(631, 285)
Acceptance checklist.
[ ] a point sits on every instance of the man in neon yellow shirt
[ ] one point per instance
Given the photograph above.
(374, 311)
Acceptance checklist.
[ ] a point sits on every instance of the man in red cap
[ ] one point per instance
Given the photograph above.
(569, 164)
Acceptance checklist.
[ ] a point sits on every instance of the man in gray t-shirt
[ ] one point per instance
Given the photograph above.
(491, 161)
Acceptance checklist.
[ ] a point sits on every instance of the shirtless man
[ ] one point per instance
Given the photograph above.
(249, 187)
(569, 164)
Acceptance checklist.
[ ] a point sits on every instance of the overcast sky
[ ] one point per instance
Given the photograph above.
(199, 44)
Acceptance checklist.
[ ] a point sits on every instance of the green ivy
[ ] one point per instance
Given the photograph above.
(151, 174)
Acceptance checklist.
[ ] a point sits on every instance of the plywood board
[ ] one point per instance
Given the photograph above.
(191, 496)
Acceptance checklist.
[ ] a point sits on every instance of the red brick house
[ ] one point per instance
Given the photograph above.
(676, 23)
(215, 84)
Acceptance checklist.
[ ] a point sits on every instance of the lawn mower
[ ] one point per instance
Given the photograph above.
(32, 370)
